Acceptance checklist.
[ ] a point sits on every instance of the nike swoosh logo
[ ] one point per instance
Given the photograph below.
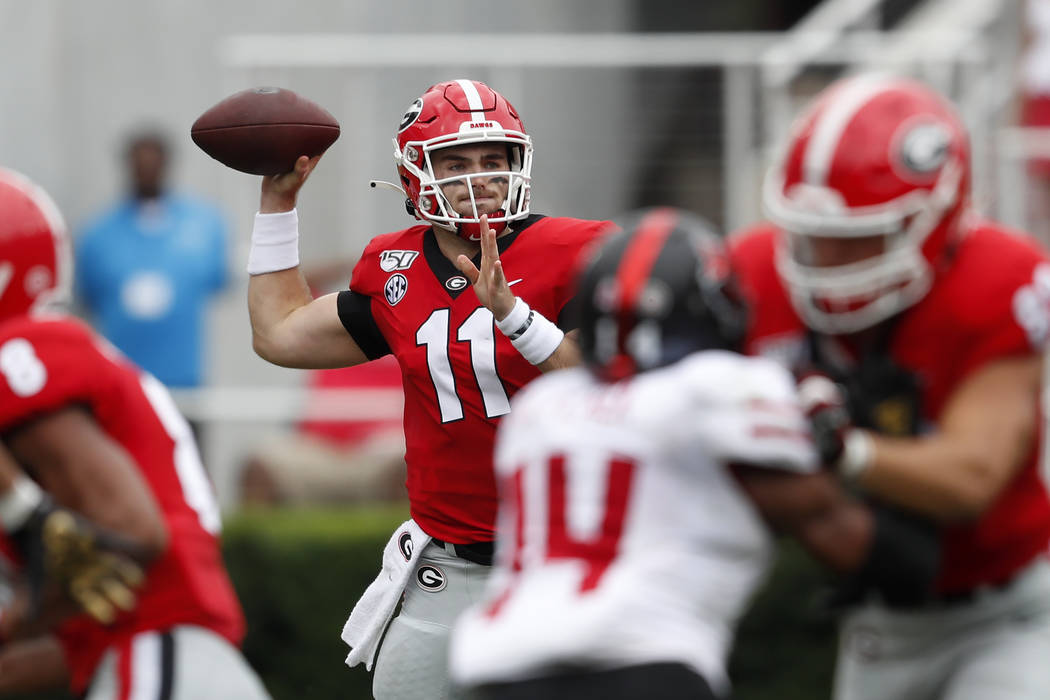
(514, 282)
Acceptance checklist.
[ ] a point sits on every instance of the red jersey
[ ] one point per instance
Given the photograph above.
(47, 364)
(991, 302)
(458, 371)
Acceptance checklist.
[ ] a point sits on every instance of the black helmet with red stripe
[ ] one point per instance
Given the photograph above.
(656, 291)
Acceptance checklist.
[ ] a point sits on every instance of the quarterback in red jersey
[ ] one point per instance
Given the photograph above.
(876, 271)
(438, 297)
(105, 439)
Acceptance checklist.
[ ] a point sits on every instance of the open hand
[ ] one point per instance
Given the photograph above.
(490, 284)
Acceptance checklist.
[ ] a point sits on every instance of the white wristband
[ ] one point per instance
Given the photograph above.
(530, 332)
(275, 242)
(858, 454)
(18, 503)
(515, 319)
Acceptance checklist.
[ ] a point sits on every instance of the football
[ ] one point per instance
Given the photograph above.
(264, 130)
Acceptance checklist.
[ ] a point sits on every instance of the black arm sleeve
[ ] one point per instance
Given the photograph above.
(355, 312)
(904, 557)
(569, 318)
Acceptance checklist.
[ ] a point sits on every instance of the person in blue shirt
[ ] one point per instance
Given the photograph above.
(147, 267)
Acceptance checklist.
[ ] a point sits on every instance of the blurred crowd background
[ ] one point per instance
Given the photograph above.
(629, 103)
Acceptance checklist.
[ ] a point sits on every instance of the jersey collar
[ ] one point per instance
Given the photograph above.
(447, 273)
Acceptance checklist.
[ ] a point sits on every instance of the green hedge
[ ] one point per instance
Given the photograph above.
(298, 574)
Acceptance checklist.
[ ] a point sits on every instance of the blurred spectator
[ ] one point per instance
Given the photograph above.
(326, 461)
(147, 266)
(1035, 110)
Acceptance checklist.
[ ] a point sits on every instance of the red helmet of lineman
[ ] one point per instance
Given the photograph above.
(871, 191)
(458, 113)
(35, 266)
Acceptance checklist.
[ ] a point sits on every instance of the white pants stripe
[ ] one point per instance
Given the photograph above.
(146, 672)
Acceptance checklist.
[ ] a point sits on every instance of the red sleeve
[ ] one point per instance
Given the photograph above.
(1006, 302)
(359, 278)
(578, 239)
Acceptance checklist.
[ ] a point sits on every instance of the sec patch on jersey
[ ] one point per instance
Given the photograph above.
(395, 288)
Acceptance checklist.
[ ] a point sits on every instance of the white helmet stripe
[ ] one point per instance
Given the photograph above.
(477, 113)
(830, 125)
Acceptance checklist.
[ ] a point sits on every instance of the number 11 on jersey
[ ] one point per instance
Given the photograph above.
(478, 331)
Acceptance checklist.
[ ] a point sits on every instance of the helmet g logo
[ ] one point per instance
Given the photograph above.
(923, 150)
(411, 115)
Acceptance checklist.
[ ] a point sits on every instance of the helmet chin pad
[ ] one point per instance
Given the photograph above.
(471, 230)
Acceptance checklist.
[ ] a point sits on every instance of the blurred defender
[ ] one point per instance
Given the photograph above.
(627, 549)
(877, 272)
(105, 439)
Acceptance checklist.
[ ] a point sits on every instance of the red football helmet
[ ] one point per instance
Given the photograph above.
(35, 267)
(876, 157)
(458, 113)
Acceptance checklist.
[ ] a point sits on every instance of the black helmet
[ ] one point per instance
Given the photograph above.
(654, 292)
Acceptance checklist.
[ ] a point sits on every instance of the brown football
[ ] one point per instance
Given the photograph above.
(264, 130)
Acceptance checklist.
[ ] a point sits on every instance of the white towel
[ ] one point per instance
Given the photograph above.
(373, 611)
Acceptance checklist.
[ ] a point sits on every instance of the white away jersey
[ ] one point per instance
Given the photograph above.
(623, 537)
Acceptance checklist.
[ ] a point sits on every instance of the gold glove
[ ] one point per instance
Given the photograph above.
(102, 581)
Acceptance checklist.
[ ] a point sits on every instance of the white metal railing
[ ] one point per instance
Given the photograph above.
(742, 56)
(1016, 146)
(288, 405)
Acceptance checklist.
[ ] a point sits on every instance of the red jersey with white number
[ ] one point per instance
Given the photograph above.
(991, 302)
(50, 363)
(458, 370)
(623, 537)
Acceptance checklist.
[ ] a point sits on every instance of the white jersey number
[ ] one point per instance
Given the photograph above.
(196, 488)
(478, 331)
(1031, 306)
(23, 370)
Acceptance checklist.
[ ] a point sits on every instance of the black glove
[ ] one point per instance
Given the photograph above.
(884, 397)
(901, 565)
(96, 569)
